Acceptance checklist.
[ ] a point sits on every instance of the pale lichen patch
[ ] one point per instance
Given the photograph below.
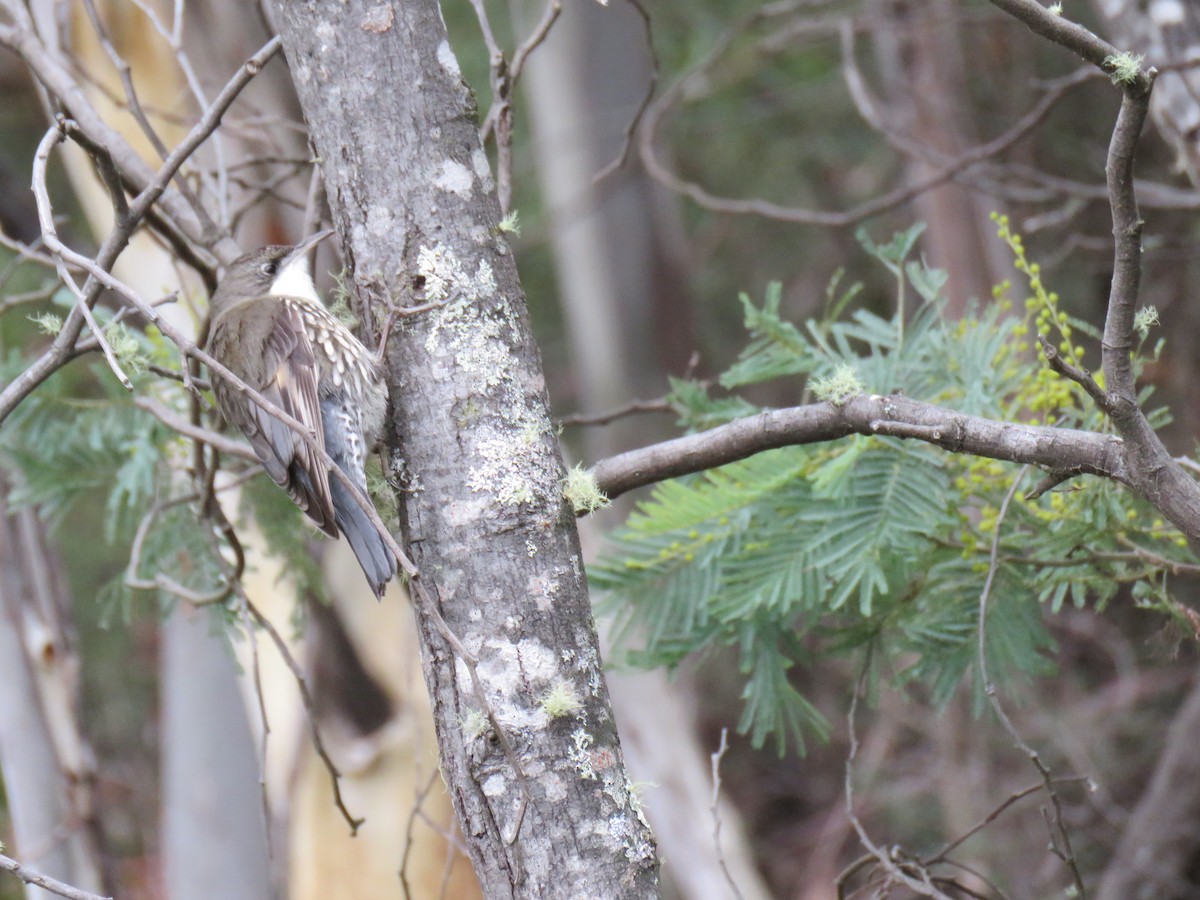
(483, 169)
(380, 221)
(515, 460)
(580, 754)
(555, 788)
(454, 178)
(447, 60)
(494, 785)
(511, 469)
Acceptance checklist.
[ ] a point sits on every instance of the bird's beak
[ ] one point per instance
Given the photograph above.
(302, 249)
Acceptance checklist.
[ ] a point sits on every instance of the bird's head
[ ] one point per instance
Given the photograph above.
(277, 269)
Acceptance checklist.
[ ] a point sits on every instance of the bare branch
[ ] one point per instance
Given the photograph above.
(640, 113)
(498, 121)
(61, 349)
(629, 409)
(1052, 448)
(948, 171)
(715, 811)
(174, 420)
(1127, 251)
(1080, 376)
(83, 304)
(53, 885)
(1066, 33)
(309, 708)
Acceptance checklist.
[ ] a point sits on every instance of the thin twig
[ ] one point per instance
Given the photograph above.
(418, 802)
(498, 121)
(53, 885)
(1056, 824)
(539, 34)
(915, 878)
(629, 409)
(161, 580)
(309, 707)
(640, 112)
(83, 299)
(715, 811)
(176, 422)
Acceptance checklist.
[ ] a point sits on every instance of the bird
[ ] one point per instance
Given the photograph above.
(268, 326)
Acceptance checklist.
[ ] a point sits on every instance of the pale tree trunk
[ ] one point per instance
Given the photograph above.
(46, 764)
(214, 832)
(544, 801)
(621, 285)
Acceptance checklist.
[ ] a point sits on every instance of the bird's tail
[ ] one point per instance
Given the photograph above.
(373, 555)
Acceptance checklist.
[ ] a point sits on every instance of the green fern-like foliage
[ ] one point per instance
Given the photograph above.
(874, 543)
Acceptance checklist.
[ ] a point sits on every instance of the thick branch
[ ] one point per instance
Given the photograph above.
(1055, 449)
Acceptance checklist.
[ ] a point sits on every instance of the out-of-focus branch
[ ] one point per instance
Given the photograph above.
(498, 121)
(155, 189)
(21, 38)
(50, 235)
(53, 885)
(173, 420)
(949, 170)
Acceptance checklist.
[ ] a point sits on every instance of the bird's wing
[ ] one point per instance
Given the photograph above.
(287, 376)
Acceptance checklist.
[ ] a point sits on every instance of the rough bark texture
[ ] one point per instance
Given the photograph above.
(472, 443)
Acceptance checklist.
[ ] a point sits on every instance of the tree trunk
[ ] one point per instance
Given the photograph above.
(214, 830)
(471, 440)
(46, 765)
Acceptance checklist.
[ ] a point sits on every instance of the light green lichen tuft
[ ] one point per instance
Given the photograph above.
(1055, 9)
(1125, 67)
(474, 724)
(560, 700)
(582, 492)
(47, 323)
(510, 224)
(1145, 319)
(839, 386)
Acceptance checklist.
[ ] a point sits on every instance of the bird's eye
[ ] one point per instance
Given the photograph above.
(269, 268)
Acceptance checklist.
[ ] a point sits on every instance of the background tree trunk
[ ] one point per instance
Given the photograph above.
(46, 766)
(481, 505)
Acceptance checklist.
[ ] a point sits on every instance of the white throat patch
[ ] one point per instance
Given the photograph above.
(294, 280)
